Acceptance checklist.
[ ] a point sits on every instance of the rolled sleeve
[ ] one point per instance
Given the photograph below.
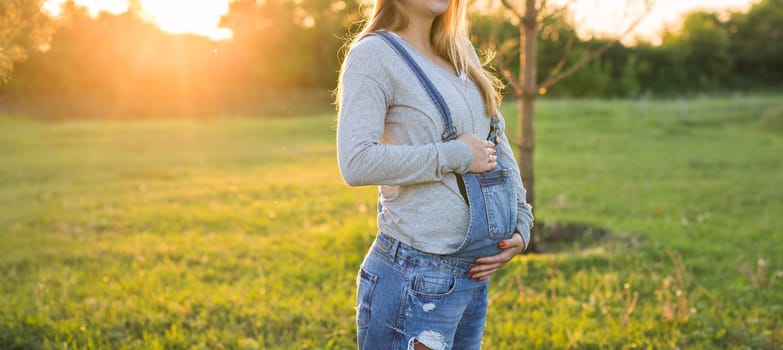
(367, 92)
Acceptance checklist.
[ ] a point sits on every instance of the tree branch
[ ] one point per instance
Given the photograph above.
(515, 86)
(512, 9)
(500, 52)
(541, 6)
(556, 12)
(564, 59)
(589, 56)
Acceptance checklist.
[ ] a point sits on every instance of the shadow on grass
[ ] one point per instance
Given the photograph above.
(557, 237)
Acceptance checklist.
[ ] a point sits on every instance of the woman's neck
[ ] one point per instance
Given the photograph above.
(417, 33)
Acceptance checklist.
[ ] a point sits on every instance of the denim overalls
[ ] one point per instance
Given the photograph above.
(406, 295)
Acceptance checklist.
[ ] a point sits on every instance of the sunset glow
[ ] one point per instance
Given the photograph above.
(593, 17)
(201, 17)
(188, 16)
(94, 7)
(607, 17)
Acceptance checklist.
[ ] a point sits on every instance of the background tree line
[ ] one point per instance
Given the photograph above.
(282, 49)
(742, 51)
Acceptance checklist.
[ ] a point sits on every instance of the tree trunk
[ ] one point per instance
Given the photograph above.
(526, 86)
(528, 58)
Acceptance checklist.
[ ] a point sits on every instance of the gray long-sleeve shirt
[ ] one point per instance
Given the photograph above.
(389, 134)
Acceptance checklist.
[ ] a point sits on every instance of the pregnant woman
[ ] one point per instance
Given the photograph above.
(418, 117)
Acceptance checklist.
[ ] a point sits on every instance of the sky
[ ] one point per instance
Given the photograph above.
(599, 17)
(200, 17)
(607, 17)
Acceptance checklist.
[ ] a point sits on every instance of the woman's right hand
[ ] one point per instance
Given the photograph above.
(482, 151)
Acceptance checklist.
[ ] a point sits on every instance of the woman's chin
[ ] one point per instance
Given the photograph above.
(439, 7)
(439, 10)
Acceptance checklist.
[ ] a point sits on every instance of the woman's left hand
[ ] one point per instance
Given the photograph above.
(488, 265)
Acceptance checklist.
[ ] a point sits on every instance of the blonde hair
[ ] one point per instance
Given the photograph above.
(449, 38)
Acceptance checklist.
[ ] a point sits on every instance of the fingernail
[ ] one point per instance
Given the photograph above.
(502, 244)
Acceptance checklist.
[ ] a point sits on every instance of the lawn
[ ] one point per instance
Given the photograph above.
(238, 233)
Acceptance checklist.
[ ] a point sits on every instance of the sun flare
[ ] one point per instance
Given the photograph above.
(94, 7)
(201, 17)
(188, 16)
(601, 17)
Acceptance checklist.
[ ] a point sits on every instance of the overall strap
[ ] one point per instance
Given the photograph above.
(494, 132)
(449, 131)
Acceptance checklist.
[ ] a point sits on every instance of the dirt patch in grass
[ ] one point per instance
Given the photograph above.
(555, 237)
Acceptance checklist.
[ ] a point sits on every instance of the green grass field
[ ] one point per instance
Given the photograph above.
(239, 233)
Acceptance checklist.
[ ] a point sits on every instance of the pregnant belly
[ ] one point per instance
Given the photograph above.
(432, 214)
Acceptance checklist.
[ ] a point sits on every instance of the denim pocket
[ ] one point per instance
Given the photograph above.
(433, 284)
(365, 288)
(500, 201)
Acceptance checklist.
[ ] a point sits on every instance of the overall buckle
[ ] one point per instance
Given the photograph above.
(450, 134)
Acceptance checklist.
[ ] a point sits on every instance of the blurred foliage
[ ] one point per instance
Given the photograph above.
(744, 51)
(290, 43)
(757, 42)
(121, 65)
(22, 27)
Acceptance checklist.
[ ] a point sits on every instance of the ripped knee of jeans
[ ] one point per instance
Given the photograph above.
(429, 339)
